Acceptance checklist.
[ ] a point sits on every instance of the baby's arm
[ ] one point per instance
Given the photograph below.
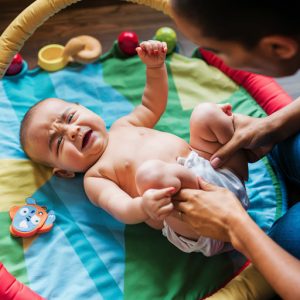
(154, 99)
(107, 195)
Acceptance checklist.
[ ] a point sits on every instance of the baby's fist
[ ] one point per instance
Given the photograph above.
(152, 53)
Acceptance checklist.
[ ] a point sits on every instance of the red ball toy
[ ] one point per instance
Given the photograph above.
(15, 66)
(128, 41)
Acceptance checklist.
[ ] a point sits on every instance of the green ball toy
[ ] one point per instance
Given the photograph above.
(168, 35)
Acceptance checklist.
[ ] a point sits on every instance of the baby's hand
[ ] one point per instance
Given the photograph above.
(157, 203)
(152, 53)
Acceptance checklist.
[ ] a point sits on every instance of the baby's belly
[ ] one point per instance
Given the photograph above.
(129, 163)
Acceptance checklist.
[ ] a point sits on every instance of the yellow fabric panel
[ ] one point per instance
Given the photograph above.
(19, 179)
(194, 86)
(249, 284)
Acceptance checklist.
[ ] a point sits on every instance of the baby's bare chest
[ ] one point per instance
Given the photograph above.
(128, 149)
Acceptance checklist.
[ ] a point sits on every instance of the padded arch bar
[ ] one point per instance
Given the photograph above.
(162, 5)
(25, 24)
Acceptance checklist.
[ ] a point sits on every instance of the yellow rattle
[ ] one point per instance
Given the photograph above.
(83, 49)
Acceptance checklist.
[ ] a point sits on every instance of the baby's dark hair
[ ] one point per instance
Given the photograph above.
(25, 124)
(243, 21)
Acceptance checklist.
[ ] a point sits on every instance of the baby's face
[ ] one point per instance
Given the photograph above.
(65, 135)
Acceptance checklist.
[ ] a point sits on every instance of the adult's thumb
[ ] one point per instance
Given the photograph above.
(205, 186)
(221, 156)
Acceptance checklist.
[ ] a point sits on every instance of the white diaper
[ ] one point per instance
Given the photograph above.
(222, 177)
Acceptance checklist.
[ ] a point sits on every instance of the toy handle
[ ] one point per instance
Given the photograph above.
(12, 289)
(24, 25)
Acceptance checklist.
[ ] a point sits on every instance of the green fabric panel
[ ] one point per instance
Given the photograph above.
(12, 255)
(193, 84)
(130, 82)
(243, 103)
(155, 269)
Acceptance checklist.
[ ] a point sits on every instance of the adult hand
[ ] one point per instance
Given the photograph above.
(251, 134)
(208, 210)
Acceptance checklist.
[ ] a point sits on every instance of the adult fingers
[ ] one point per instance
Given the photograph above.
(221, 156)
(182, 207)
(207, 187)
(252, 156)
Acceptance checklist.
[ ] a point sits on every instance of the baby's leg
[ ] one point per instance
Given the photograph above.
(210, 128)
(156, 174)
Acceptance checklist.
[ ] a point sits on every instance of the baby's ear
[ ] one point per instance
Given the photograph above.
(63, 173)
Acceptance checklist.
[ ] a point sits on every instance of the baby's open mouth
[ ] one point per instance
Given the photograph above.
(86, 138)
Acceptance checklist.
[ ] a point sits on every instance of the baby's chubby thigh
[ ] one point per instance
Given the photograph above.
(211, 125)
(155, 224)
(156, 174)
(180, 227)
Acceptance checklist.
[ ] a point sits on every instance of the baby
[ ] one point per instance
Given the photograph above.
(133, 170)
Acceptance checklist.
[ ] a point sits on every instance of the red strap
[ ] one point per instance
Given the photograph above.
(12, 289)
(265, 90)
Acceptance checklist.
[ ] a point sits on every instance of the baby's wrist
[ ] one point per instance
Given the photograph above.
(156, 66)
(144, 207)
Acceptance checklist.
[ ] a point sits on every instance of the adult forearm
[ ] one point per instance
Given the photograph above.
(284, 122)
(279, 268)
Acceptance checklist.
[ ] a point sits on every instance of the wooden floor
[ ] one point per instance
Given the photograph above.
(104, 19)
(101, 19)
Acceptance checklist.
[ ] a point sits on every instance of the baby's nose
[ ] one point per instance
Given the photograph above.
(72, 131)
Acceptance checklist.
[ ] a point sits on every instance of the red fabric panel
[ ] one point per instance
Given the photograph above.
(265, 90)
(12, 289)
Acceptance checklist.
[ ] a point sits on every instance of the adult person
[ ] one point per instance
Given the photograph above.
(264, 37)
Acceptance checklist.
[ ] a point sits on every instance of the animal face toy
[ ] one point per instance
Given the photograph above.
(29, 219)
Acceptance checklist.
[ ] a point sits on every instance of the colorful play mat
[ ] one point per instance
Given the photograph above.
(88, 254)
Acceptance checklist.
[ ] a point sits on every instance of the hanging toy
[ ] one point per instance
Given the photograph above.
(15, 66)
(128, 41)
(168, 35)
(83, 49)
(30, 219)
